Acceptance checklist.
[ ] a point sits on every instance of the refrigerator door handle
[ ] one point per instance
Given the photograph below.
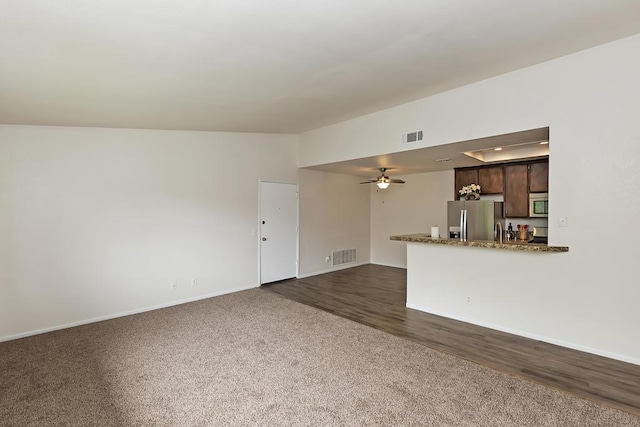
(462, 225)
(466, 223)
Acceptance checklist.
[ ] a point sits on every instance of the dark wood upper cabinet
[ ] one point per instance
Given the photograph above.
(516, 197)
(514, 180)
(539, 177)
(491, 180)
(465, 177)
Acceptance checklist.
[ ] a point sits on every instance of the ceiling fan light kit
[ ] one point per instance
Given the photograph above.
(382, 185)
(383, 180)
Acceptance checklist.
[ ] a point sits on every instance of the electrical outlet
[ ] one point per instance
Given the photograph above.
(194, 281)
(468, 299)
(327, 259)
(173, 286)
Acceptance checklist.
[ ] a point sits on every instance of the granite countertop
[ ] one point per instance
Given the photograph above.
(510, 246)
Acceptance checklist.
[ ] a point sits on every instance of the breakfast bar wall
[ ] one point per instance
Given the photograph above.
(466, 285)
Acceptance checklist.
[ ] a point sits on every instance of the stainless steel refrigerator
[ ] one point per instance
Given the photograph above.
(474, 219)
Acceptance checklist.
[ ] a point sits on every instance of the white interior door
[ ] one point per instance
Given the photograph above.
(278, 231)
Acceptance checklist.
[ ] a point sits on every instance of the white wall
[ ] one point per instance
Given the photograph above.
(589, 100)
(521, 304)
(96, 222)
(334, 215)
(409, 208)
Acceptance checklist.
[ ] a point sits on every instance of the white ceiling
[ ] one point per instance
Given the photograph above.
(271, 65)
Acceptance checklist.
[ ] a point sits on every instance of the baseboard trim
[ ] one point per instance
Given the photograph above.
(554, 341)
(403, 267)
(124, 313)
(341, 267)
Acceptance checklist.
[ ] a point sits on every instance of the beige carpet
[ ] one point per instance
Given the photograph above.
(254, 358)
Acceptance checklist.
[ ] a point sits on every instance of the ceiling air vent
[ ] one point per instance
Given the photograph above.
(411, 137)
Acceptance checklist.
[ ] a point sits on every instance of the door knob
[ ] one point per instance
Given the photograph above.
(264, 239)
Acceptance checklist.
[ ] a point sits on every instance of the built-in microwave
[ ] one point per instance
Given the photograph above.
(538, 205)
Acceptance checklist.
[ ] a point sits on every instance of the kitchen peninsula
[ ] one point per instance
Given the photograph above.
(499, 286)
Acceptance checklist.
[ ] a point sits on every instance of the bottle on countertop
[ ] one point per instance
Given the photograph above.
(509, 232)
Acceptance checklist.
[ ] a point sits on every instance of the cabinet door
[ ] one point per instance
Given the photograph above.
(491, 180)
(539, 177)
(516, 196)
(465, 177)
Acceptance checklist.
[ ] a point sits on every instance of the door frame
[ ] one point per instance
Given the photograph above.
(259, 236)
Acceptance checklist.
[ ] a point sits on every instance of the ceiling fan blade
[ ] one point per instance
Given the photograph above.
(396, 181)
(371, 181)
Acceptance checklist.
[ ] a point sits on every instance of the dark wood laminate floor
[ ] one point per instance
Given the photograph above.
(376, 295)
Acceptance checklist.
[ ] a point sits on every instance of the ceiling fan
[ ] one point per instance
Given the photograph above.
(383, 180)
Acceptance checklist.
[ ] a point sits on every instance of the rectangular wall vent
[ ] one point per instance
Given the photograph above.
(344, 256)
(410, 137)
